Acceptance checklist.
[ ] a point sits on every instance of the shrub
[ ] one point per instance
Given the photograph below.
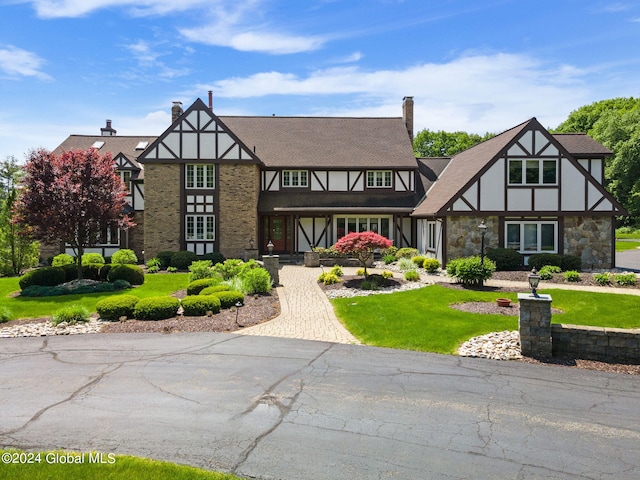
(214, 289)
(411, 276)
(539, 260)
(153, 269)
(131, 273)
(215, 257)
(386, 274)
(5, 314)
(328, 278)
(370, 284)
(45, 276)
(257, 280)
(360, 271)
(195, 287)
(181, 260)
(92, 258)
(572, 276)
(172, 269)
(124, 256)
(156, 308)
(200, 269)
(571, 262)
(70, 272)
(603, 278)
(153, 265)
(71, 314)
(406, 252)
(389, 258)
(62, 259)
(337, 270)
(199, 305)
(121, 284)
(418, 260)
(431, 265)
(405, 264)
(229, 298)
(113, 308)
(547, 272)
(234, 267)
(470, 270)
(506, 259)
(104, 272)
(165, 258)
(92, 270)
(625, 279)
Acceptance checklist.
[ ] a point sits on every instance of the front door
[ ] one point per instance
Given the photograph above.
(276, 230)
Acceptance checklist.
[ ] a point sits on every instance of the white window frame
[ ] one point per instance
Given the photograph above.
(371, 222)
(295, 178)
(125, 176)
(200, 228)
(540, 162)
(379, 179)
(431, 235)
(522, 241)
(200, 176)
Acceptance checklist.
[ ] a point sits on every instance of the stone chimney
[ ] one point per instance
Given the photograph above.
(176, 111)
(407, 115)
(108, 131)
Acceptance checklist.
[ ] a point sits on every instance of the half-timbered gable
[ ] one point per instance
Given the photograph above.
(533, 185)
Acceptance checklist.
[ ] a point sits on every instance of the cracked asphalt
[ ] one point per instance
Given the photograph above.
(275, 408)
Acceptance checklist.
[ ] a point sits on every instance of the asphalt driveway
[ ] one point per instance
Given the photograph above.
(294, 409)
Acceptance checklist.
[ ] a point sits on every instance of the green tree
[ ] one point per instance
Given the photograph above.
(445, 144)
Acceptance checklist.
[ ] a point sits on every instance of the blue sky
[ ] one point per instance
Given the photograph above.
(476, 66)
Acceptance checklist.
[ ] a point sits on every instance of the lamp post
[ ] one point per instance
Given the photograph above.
(483, 232)
(270, 247)
(238, 305)
(534, 281)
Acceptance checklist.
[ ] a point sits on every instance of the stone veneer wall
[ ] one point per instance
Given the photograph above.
(238, 213)
(596, 343)
(464, 238)
(136, 236)
(589, 238)
(161, 208)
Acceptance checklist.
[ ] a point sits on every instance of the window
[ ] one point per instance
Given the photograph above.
(200, 227)
(110, 235)
(294, 178)
(379, 179)
(125, 176)
(347, 225)
(200, 176)
(533, 172)
(431, 235)
(532, 237)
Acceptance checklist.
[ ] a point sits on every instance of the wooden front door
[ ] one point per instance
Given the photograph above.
(276, 230)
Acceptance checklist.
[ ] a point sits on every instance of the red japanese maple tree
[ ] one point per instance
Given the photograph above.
(71, 197)
(362, 245)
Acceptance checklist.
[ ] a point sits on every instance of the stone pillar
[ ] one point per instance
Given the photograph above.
(535, 325)
(250, 253)
(311, 259)
(272, 264)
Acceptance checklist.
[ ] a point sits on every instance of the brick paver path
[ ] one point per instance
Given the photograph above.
(305, 311)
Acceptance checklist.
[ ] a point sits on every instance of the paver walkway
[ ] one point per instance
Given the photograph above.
(305, 311)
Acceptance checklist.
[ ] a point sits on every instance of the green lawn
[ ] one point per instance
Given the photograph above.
(628, 236)
(57, 465)
(626, 245)
(154, 284)
(422, 319)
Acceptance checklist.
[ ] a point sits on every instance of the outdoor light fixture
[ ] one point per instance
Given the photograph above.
(534, 280)
(251, 242)
(270, 247)
(238, 305)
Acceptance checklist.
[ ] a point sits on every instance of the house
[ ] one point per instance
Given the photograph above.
(535, 191)
(234, 184)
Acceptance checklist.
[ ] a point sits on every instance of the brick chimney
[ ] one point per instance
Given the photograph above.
(108, 131)
(407, 115)
(176, 111)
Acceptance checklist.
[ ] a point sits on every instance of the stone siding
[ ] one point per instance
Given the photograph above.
(238, 210)
(596, 343)
(162, 209)
(136, 236)
(534, 325)
(464, 238)
(589, 238)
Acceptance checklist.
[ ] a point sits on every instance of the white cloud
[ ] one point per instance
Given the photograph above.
(78, 8)
(18, 62)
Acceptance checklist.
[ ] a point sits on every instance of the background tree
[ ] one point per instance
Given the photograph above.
(445, 144)
(362, 245)
(72, 198)
(616, 124)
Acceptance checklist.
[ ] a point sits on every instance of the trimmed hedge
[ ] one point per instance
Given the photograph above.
(92, 258)
(113, 308)
(565, 262)
(131, 273)
(92, 270)
(181, 260)
(199, 305)
(431, 265)
(214, 289)
(165, 258)
(156, 308)
(506, 259)
(195, 287)
(45, 276)
(124, 256)
(229, 298)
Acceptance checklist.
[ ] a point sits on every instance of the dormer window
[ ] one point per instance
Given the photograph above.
(294, 178)
(379, 179)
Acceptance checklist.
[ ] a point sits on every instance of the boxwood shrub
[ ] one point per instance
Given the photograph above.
(70, 272)
(104, 272)
(113, 308)
(539, 260)
(165, 258)
(92, 258)
(195, 287)
(131, 273)
(257, 280)
(156, 308)
(214, 289)
(431, 265)
(229, 298)
(92, 270)
(44, 276)
(62, 259)
(506, 259)
(181, 260)
(198, 305)
(124, 256)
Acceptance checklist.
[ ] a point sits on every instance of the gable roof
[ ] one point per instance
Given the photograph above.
(326, 142)
(581, 145)
(125, 145)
